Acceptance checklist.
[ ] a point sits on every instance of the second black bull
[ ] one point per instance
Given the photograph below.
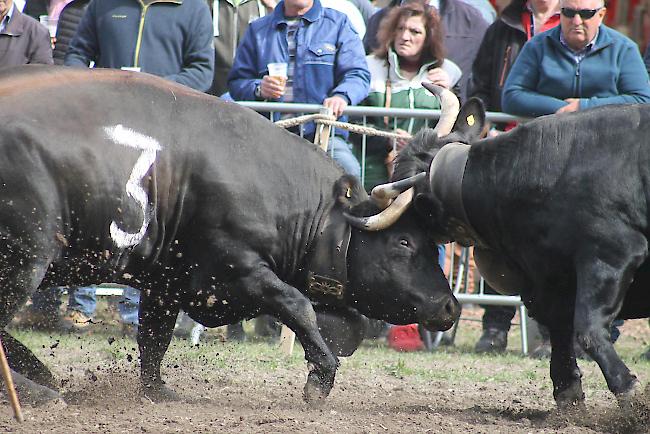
(203, 205)
(557, 210)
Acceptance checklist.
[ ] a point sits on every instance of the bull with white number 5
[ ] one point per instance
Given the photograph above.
(205, 206)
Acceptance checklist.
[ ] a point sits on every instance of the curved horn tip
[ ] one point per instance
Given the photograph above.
(419, 176)
(433, 88)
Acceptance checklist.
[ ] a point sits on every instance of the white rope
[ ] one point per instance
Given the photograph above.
(331, 120)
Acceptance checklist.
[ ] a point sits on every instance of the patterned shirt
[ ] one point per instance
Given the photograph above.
(580, 54)
(292, 29)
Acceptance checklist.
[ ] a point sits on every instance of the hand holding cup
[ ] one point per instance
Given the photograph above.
(273, 85)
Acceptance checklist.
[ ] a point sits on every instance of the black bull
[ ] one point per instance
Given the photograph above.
(205, 206)
(557, 210)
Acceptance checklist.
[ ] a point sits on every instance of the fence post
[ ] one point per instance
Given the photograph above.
(322, 136)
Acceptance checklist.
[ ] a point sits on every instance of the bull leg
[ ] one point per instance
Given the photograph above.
(22, 360)
(601, 288)
(157, 318)
(31, 392)
(18, 284)
(566, 376)
(296, 312)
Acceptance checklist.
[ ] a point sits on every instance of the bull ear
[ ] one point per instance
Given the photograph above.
(428, 207)
(471, 120)
(348, 192)
(430, 210)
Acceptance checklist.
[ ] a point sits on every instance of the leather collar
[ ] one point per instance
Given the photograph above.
(327, 265)
(446, 180)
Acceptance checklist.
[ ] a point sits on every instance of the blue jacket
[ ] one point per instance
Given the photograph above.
(330, 59)
(545, 73)
(168, 38)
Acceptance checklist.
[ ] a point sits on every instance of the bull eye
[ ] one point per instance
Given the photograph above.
(404, 242)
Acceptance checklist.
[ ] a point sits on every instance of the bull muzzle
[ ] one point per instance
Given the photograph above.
(444, 316)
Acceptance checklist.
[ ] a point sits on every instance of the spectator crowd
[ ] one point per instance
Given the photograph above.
(523, 57)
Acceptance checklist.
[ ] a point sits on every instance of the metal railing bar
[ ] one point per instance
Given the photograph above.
(360, 111)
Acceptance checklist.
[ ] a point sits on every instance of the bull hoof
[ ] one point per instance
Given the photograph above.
(571, 399)
(35, 394)
(318, 386)
(39, 396)
(159, 393)
(635, 404)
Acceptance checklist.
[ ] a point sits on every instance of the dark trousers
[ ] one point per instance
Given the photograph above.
(497, 317)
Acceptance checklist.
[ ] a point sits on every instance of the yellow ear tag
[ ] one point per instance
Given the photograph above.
(348, 193)
(470, 120)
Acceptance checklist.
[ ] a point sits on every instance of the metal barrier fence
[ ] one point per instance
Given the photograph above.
(360, 114)
(458, 275)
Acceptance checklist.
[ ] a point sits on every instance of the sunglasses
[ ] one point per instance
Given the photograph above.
(585, 14)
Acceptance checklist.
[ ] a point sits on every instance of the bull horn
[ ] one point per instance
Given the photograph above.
(385, 218)
(393, 212)
(382, 194)
(449, 108)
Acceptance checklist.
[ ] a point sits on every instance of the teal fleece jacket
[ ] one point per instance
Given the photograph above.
(168, 38)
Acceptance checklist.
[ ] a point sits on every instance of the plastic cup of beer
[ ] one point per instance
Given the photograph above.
(278, 71)
(50, 23)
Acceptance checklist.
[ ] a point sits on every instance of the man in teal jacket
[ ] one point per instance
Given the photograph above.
(578, 65)
(168, 38)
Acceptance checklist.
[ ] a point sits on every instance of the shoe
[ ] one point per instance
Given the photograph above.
(39, 320)
(235, 332)
(265, 326)
(76, 321)
(184, 326)
(542, 351)
(492, 341)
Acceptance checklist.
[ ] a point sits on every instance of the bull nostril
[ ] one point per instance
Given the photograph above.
(450, 307)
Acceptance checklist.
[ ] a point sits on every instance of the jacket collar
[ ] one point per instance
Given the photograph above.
(603, 39)
(143, 4)
(312, 14)
(16, 24)
(393, 61)
(511, 15)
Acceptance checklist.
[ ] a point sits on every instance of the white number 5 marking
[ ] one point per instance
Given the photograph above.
(149, 146)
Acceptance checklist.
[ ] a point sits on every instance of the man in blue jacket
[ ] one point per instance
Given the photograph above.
(326, 65)
(578, 65)
(168, 38)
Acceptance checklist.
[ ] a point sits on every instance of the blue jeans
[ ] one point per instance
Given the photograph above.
(128, 306)
(84, 300)
(341, 152)
(81, 299)
(441, 255)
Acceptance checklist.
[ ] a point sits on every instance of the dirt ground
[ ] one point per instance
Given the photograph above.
(252, 388)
